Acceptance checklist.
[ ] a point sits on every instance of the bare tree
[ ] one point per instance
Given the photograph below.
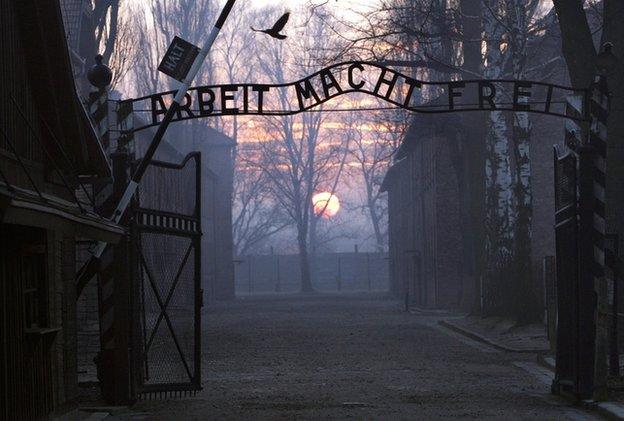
(105, 18)
(297, 161)
(152, 26)
(148, 49)
(256, 214)
(122, 59)
(233, 58)
(373, 142)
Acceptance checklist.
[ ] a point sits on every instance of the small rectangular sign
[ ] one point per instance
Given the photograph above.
(178, 59)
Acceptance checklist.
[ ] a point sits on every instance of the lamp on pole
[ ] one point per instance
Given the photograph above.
(606, 61)
(100, 75)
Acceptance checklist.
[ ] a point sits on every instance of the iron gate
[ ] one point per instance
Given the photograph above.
(167, 242)
(566, 231)
(577, 240)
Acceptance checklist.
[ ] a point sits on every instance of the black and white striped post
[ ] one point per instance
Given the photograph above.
(599, 108)
(98, 108)
(595, 227)
(89, 269)
(582, 310)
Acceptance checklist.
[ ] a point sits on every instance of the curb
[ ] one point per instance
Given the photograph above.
(546, 361)
(414, 309)
(608, 410)
(483, 339)
(97, 416)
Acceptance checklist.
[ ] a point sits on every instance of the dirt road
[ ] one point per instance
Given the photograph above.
(353, 357)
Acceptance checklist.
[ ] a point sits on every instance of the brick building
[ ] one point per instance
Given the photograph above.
(217, 183)
(431, 251)
(424, 208)
(424, 222)
(217, 151)
(47, 148)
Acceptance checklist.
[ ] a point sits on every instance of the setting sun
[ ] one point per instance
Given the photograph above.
(325, 204)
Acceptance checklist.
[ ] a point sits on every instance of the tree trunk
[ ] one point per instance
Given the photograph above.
(471, 171)
(523, 297)
(304, 261)
(379, 239)
(576, 41)
(498, 176)
(372, 211)
(313, 244)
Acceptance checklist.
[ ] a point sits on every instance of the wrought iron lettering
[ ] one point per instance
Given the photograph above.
(368, 78)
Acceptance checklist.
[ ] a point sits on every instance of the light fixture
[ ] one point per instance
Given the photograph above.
(606, 61)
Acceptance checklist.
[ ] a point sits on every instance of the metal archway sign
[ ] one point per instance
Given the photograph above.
(364, 77)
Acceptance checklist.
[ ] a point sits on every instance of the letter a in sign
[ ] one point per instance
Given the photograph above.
(178, 59)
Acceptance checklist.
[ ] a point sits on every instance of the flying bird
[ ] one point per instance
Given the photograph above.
(277, 28)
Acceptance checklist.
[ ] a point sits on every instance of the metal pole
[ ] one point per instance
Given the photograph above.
(249, 274)
(339, 280)
(614, 356)
(368, 277)
(89, 268)
(199, 288)
(278, 286)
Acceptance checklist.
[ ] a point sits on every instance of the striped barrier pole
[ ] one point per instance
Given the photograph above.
(89, 269)
(597, 144)
(599, 109)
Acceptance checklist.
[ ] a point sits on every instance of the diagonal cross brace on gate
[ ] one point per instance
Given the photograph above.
(174, 284)
(160, 243)
(163, 309)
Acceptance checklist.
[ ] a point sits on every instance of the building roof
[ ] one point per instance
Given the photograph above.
(196, 135)
(391, 175)
(25, 207)
(54, 91)
(425, 124)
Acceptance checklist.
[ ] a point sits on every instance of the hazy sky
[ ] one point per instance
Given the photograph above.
(343, 7)
(294, 3)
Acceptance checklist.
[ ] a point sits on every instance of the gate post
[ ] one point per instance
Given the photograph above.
(114, 361)
(550, 300)
(599, 108)
(586, 294)
(582, 302)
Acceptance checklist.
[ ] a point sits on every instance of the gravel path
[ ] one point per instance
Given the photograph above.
(357, 357)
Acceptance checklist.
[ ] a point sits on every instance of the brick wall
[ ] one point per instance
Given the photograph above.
(424, 218)
(88, 325)
(447, 240)
(547, 131)
(67, 264)
(424, 211)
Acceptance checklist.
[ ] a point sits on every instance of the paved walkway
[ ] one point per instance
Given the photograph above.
(354, 357)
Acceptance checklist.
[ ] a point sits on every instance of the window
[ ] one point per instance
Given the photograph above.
(34, 287)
